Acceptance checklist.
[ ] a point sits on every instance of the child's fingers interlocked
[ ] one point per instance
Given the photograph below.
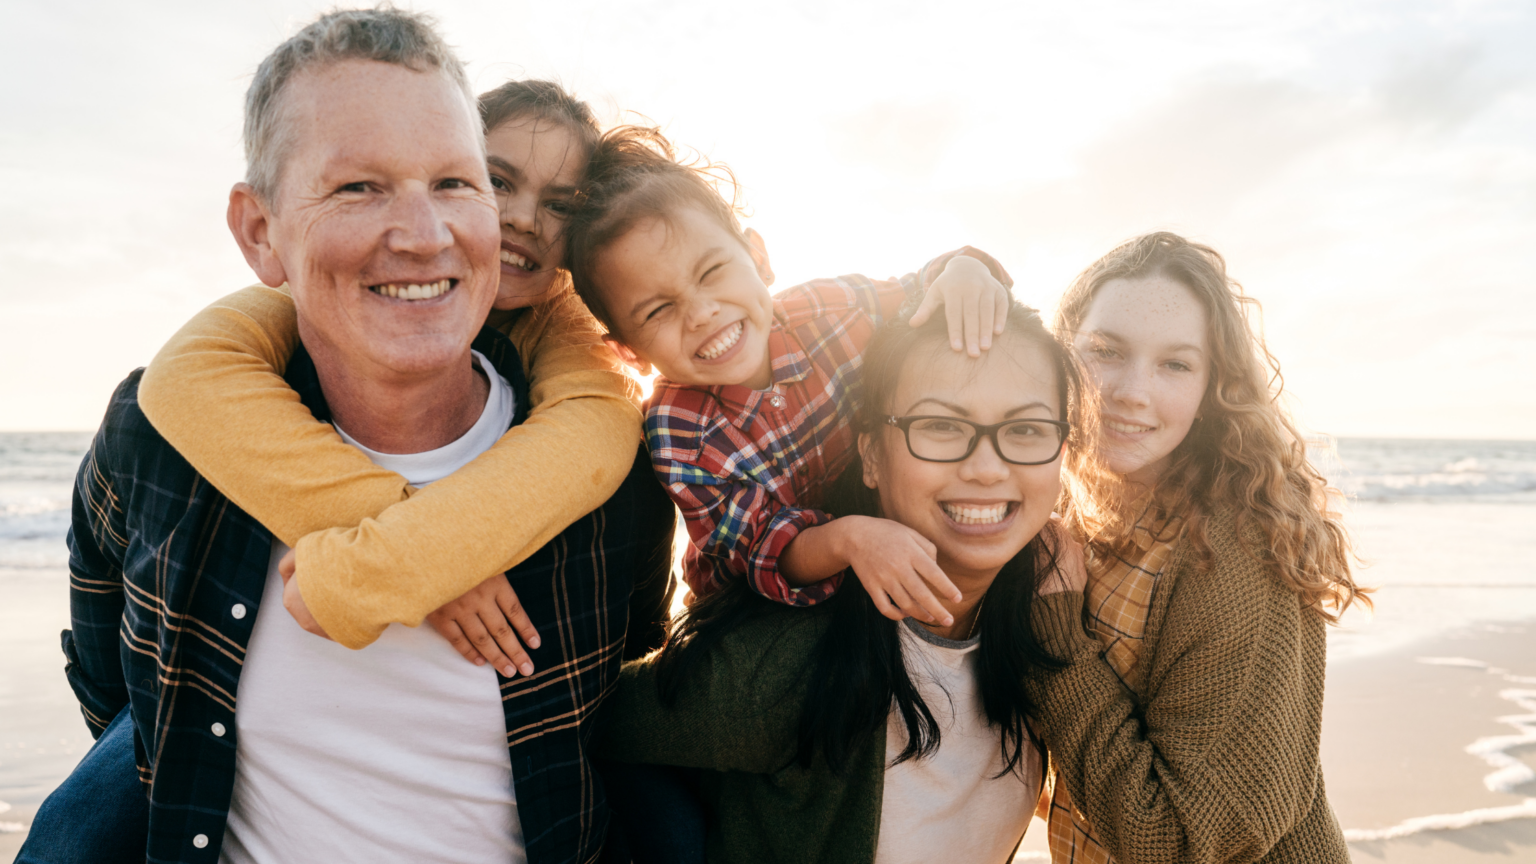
(486, 624)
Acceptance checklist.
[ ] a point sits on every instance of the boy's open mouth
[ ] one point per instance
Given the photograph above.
(722, 343)
(518, 261)
(978, 514)
(413, 291)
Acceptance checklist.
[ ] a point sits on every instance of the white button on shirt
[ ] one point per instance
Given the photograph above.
(237, 610)
(200, 841)
(778, 401)
(218, 729)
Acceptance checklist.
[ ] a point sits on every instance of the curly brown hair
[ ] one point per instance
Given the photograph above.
(1244, 453)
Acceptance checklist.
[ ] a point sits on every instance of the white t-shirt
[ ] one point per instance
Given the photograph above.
(397, 752)
(948, 806)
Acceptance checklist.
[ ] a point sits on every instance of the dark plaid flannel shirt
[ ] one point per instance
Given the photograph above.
(166, 579)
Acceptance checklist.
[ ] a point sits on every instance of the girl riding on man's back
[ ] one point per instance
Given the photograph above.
(646, 235)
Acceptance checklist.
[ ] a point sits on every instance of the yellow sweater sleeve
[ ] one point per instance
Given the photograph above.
(372, 551)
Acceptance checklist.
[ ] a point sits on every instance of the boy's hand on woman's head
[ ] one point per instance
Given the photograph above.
(975, 303)
(899, 569)
(1071, 571)
(485, 626)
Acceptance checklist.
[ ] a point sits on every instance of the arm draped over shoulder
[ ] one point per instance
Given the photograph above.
(371, 549)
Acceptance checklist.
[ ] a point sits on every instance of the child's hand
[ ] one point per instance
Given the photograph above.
(975, 304)
(484, 625)
(293, 601)
(899, 569)
(1071, 573)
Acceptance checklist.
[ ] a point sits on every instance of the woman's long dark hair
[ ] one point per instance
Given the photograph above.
(857, 670)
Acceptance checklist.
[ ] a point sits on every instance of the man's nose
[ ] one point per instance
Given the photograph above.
(420, 228)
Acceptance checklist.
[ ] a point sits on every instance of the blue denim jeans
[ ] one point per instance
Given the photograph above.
(658, 815)
(99, 814)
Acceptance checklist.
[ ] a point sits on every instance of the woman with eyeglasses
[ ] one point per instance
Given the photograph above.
(836, 734)
(1185, 727)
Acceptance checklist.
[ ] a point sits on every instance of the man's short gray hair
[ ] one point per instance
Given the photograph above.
(386, 34)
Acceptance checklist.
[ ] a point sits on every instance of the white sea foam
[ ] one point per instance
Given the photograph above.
(4, 806)
(1509, 771)
(12, 827)
(1445, 822)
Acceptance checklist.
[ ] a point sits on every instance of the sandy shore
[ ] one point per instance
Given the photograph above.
(1396, 729)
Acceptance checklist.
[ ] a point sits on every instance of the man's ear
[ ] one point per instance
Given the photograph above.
(867, 457)
(759, 251)
(251, 223)
(626, 354)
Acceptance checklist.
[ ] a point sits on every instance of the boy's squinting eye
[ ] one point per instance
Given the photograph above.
(656, 311)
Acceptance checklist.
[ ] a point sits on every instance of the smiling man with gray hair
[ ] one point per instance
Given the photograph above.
(259, 742)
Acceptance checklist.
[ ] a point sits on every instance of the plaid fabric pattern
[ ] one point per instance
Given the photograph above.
(747, 467)
(166, 580)
(1116, 605)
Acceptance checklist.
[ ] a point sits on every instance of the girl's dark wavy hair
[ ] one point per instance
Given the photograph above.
(857, 671)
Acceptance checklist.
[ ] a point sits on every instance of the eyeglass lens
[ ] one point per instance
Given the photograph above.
(944, 439)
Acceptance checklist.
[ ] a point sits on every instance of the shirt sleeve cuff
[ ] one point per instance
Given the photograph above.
(763, 563)
(1058, 622)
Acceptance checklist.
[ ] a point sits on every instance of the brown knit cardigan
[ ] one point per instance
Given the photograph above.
(1218, 760)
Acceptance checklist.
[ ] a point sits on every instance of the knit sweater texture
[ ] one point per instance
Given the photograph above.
(1218, 760)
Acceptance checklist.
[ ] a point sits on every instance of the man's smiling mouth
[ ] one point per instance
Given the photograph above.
(722, 343)
(414, 291)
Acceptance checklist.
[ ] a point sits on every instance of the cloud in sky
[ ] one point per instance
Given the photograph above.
(1368, 168)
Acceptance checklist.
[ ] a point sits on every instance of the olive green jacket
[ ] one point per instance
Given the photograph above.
(739, 717)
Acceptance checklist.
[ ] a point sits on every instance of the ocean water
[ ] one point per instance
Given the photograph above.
(1447, 530)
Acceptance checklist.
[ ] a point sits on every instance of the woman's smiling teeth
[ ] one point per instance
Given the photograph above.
(973, 514)
(516, 260)
(413, 292)
(722, 343)
(1129, 428)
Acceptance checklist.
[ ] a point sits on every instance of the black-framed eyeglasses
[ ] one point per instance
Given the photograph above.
(933, 438)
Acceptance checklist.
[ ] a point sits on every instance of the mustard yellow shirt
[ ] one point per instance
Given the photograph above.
(371, 549)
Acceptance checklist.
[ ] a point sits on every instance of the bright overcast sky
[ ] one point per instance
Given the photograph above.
(1368, 168)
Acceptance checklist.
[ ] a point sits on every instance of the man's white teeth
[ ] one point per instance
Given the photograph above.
(516, 260)
(722, 344)
(414, 292)
(970, 514)
(1127, 427)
